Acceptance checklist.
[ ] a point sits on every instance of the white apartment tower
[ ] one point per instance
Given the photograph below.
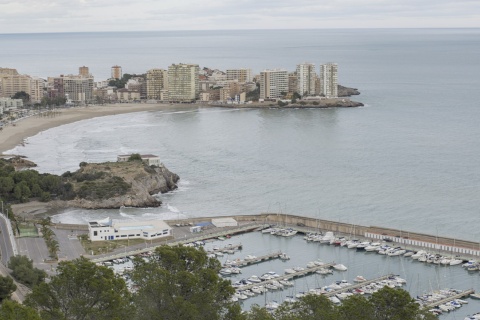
(306, 79)
(157, 84)
(242, 75)
(116, 72)
(273, 83)
(183, 82)
(329, 80)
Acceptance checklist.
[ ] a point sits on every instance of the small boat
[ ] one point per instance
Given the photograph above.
(250, 257)
(283, 256)
(222, 238)
(290, 299)
(255, 279)
(475, 296)
(359, 279)
(272, 305)
(340, 267)
(225, 271)
(290, 271)
(324, 271)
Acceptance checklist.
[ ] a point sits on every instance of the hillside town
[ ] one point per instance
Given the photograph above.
(179, 83)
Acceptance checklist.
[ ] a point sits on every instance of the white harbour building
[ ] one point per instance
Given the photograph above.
(109, 229)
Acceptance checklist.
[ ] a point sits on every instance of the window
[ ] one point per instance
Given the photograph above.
(95, 233)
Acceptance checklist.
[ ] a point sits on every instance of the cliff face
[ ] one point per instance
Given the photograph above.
(116, 184)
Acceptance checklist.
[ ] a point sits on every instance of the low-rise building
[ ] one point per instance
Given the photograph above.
(127, 95)
(7, 104)
(149, 159)
(109, 229)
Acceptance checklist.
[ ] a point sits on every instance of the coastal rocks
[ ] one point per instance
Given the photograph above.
(347, 92)
(133, 184)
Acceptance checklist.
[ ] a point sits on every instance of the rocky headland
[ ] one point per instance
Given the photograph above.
(112, 185)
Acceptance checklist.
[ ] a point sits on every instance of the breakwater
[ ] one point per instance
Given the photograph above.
(397, 236)
(438, 243)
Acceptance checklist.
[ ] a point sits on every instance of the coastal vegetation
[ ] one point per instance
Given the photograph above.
(110, 184)
(24, 272)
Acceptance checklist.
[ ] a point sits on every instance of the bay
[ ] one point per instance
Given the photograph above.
(407, 160)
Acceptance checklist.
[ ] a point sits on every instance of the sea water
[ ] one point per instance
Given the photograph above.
(407, 160)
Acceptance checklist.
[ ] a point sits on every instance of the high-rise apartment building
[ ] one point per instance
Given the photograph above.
(306, 79)
(242, 75)
(8, 72)
(78, 89)
(183, 82)
(157, 84)
(11, 84)
(84, 72)
(329, 80)
(117, 72)
(273, 83)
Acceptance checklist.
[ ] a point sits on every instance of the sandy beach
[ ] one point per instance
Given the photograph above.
(13, 135)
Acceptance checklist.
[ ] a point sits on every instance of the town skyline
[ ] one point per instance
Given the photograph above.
(146, 15)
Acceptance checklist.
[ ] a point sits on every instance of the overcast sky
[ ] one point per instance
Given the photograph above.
(137, 15)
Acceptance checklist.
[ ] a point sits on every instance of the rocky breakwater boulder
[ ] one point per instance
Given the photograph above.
(116, 184)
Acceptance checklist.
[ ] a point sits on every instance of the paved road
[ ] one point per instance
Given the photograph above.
(6, 249)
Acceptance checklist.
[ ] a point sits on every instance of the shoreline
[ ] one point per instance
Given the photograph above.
(13, 135)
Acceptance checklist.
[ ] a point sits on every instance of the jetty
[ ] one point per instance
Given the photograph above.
(249, 262)
(462, 294)
(358, 285)
(298, 274)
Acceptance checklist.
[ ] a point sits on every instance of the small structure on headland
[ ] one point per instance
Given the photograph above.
(109, 229)
(150, 159)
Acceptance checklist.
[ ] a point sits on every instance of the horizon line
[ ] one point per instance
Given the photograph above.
(253, 29)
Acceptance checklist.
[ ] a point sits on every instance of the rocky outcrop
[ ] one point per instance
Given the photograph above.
(347, 92)
(135, 184)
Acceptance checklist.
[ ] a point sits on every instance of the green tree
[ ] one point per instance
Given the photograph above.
(309, 307)
(22, 95)
(355, 307)
(11, 310)
(24, 272)
(82, 290)
(135, 157)
(395, 304)
(6, 184)
(182, 283)
(258, 313)
(7, 287)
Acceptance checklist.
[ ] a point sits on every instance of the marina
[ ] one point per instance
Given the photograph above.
(266, 244)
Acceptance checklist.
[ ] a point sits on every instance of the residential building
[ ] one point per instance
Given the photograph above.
(109, 229)
(10, 104)
(8, 72)
(224, 94)
(77, 89)
(204, 96)
(11, 84)
(128, 95)
(84, 72)
(183, 82)
(242, 75)
(116, 72)
(292, 82)
(157, 84)
(329, 80)
(306, 79)
(149, 159)
(273, 83)
(137, 84)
